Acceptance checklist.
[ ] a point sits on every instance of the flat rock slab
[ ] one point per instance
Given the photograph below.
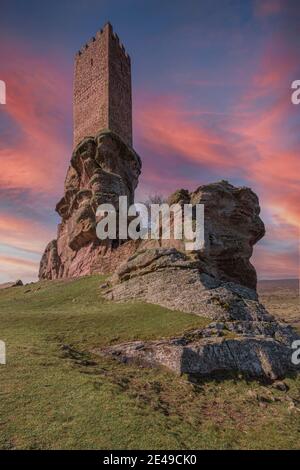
(202, 355)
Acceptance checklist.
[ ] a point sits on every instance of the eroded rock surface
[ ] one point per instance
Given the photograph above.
(243, 337)
(232, 226)
(173, 279)
(101, 170)
(204, 352)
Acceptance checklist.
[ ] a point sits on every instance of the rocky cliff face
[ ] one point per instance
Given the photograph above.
(101, 170)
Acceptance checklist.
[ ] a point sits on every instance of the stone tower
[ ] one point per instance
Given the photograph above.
(102, 88)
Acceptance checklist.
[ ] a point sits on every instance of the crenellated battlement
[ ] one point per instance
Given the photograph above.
(102, 87)
(99, 36)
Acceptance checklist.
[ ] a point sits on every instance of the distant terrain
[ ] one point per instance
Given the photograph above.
(281, 297)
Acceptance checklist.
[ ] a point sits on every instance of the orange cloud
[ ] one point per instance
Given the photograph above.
(19, 262)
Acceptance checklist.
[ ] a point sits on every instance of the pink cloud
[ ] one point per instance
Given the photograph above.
(24, 233)
(10, 260)
(259, 139)
(267, 7)
(276, 265)
(34, 154)
(266, 127)
(37, 105)
(167, 126)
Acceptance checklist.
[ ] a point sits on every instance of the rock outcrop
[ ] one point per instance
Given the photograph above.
(104, 168)
(101, 170)
(217, 348)
(168, 277)
(217, 281)
(232, 226)
(242, 337)
(17, 283)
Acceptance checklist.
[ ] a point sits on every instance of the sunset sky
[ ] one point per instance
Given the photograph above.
(211, 100)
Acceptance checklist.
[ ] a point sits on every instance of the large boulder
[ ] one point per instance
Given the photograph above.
(240, 334)
(170, 278)
(232, 226)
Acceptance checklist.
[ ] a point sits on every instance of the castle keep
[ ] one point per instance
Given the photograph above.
(102, 88)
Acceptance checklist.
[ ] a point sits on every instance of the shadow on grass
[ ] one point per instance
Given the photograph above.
(221, 376)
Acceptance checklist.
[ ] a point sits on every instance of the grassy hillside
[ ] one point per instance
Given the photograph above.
(56, 394)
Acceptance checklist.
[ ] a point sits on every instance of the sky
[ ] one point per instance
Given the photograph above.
(211, 100)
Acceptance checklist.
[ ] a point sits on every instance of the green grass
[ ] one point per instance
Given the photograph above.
(56, 395)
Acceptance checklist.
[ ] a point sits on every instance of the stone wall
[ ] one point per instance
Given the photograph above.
(119, 90)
